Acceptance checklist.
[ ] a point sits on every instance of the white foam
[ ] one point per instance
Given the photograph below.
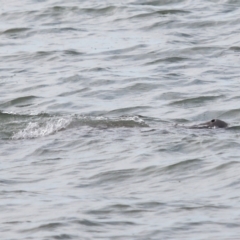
(123, 118)
(136, 119)
(35, 129)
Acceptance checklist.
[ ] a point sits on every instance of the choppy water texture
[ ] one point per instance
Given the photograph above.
(93, 97)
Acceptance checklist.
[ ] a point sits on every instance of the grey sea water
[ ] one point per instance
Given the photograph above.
(95, 100)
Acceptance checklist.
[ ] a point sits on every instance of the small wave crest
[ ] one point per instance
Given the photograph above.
(105, 122)
(45, 126)
(37, 129)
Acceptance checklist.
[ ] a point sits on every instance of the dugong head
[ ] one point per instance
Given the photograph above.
(214, 123)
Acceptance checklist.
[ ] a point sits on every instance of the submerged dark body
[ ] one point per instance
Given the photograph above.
(214, 123)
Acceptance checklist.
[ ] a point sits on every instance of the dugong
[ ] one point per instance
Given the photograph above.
(214, 123)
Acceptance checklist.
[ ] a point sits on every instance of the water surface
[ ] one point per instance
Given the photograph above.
(90, 95)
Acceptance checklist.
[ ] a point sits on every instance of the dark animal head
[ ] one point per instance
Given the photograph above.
(216, 123)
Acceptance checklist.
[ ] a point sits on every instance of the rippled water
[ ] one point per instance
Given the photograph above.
(95, 102)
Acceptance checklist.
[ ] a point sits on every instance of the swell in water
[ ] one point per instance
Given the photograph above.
(40, 125)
